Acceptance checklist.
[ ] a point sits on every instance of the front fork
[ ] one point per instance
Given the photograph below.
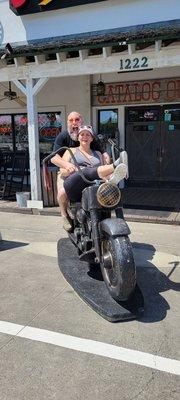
(94, 214)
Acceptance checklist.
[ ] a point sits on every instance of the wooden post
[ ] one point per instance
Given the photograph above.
(30, 90)
(33, 138)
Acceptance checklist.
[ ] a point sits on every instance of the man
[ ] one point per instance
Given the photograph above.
(69, 139)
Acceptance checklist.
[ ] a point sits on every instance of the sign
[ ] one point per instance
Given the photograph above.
(22, 7)
(135, 63)
(138, 92)
(5, 130)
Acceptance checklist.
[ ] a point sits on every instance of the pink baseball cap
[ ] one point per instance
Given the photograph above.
(87, 128)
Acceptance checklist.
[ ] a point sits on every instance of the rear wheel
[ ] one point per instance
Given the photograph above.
(118, 267)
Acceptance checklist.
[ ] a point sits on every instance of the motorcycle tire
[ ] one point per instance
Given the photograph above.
(118, 267)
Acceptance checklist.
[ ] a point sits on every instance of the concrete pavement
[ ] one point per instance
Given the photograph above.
(33, 293)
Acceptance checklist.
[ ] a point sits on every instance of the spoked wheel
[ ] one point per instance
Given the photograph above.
(118, 268)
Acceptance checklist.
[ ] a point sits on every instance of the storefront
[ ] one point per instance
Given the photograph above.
(57, 70)
(14, 131)
(151, 132)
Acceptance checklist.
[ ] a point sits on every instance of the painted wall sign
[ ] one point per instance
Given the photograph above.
(22, 7)
(139, 92)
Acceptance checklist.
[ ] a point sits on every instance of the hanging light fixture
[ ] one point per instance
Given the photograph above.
(100, 87)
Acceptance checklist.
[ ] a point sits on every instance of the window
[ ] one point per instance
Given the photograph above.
(108, 127)
(21, 131)
(172, 114)
(14, 131)
(50, 124)
(143, 115)
(6, 137)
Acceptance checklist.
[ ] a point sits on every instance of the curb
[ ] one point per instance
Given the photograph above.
(142, 217)
(16, 210)
(146, 219)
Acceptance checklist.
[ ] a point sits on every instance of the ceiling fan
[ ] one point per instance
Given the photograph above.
(11, 95)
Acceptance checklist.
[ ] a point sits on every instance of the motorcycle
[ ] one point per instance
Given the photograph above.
(100, 237)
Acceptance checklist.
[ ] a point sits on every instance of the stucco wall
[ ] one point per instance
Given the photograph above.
(136, 76)
(70, 93)
(93, 17)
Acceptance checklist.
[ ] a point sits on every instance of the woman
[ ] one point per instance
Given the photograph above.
(91, 163)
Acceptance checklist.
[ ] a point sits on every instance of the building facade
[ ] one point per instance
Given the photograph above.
(54, 57)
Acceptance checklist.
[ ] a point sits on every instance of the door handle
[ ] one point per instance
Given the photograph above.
(162, 151)
(159, 153)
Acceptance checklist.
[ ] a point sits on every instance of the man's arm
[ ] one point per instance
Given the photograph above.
(57, 159)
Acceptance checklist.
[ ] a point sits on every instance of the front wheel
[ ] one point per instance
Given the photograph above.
(118, 267)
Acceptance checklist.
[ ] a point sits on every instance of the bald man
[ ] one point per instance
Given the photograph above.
(69, 139)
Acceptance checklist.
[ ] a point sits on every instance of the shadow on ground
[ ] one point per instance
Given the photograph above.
(8, 245)
(150, 279)
(153, 282)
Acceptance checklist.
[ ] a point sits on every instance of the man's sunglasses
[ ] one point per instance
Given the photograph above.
(74, 119)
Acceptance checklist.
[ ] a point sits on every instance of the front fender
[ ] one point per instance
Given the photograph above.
(115, 227)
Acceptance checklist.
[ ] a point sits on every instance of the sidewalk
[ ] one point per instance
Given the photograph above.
(153, 216)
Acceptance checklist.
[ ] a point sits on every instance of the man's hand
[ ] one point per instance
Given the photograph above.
(69, 166)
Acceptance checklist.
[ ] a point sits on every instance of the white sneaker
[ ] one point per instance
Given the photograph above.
(119, 173)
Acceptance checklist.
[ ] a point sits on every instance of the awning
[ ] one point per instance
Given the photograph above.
(168, 30)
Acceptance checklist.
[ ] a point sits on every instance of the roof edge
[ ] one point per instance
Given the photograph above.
(136, 33)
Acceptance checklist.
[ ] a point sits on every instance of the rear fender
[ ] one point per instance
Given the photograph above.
(115, 227)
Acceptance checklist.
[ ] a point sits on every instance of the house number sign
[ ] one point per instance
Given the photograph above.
(135, 63)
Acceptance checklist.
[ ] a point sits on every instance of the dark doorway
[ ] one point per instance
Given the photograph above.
(153, 145)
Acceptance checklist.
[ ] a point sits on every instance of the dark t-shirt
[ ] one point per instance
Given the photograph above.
(64, 139)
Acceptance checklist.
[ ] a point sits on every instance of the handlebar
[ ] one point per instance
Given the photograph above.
(113, 147)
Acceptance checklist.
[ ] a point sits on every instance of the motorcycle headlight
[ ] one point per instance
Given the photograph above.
(108, 195)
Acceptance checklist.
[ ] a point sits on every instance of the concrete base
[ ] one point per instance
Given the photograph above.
(89, 285)
(35, 204)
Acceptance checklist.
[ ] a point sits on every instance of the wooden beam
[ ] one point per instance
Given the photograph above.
(3, 63)
(167, 57)
(83, 54)
(107, 51)
(40, 59)
(38, 86)
(33, 138)
(60, 57)
(131, 48)
(158, 45)
(19, 61)
(20, 86)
